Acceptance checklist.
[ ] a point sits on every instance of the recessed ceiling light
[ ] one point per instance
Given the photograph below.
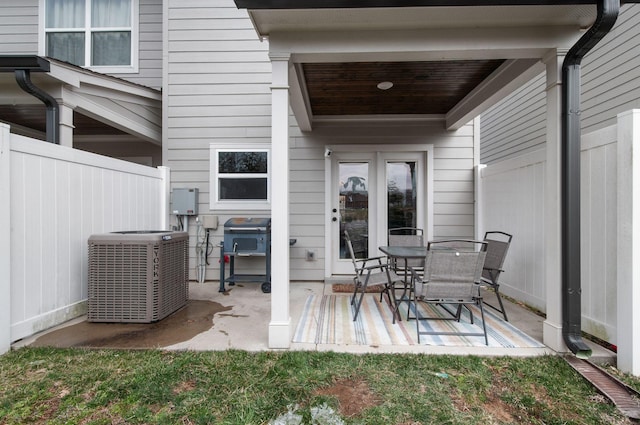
(385, 85)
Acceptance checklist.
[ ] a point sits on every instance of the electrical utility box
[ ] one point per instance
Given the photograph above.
(184, 201)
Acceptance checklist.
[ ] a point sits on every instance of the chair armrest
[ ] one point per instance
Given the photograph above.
(364, 261)
(492, 269)
(485, 281)
(375, 266)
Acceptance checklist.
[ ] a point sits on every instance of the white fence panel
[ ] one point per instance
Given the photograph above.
(513, 200)
(58, 198)
(598, 194)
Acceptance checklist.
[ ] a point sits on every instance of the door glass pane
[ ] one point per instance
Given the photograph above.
(354, 207)
(401, 194)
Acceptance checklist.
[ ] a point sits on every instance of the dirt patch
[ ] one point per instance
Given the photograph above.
(194, 318)
(354, 396)
(184, 386)
(498, 410)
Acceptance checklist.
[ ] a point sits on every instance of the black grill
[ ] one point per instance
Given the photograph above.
(246, 236)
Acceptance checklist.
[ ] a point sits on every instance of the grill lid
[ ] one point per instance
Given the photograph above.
(243, 223)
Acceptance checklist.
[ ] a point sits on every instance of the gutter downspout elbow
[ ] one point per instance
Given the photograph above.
(23, 78)
(571, 268)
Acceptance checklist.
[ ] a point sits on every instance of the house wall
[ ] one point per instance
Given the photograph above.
(150, 46)
(610, 75)
(523, 132)
(57, 198)
(218, 91)
(19, 26)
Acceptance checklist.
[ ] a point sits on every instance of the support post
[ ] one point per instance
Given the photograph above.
(628, 266)
(552, 326)
(5, 239)
(165, 197)
(280, 325)
(66, 127)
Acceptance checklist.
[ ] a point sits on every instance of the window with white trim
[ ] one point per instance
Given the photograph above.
(240, 177)
(98, 34)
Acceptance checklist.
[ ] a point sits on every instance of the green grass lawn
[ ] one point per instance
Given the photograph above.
(77, 386)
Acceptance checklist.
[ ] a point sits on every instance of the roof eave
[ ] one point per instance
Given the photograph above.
(351, 4)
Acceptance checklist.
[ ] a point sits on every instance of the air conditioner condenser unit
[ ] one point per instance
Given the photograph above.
(137, 276)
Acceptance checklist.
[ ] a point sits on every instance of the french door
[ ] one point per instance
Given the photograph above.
(371, 193)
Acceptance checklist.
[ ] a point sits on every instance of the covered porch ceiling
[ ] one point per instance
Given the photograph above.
(444, 60)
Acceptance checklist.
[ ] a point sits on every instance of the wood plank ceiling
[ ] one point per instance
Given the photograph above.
(418, 87)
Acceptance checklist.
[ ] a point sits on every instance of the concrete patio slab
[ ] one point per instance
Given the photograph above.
(241, 318)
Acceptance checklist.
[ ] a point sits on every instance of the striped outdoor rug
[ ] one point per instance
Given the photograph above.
(328, 319)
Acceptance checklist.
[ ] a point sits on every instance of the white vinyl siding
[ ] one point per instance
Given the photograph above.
(19, 34)
(610, 84)
(524, 129)
(611, 73)
(19, 27)
(217, 90)
(218, 79)
(149, 46)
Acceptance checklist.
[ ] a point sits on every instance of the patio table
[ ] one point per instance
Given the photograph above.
(404, 253)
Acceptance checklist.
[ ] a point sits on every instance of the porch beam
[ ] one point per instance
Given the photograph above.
(280, 325)
(299, 102)
(427, 44)
(351, 4)
(511, 75)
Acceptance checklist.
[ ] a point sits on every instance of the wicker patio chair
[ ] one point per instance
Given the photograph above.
(370, 271)
(452, 274)
(497, 247)
(406, 236)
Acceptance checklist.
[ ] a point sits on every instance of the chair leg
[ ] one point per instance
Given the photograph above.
(393, 303)
(358, 302)
(484, 324)
(504, 312)
(501, 309)
(355, 289)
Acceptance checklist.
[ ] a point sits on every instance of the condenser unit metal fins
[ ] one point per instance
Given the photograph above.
(137, 277)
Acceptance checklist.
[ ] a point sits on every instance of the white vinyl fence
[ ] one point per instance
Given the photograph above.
(513, 200)
(53, 199)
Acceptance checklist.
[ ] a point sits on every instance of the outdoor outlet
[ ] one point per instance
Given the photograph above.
(311, 255)
(209, 221)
